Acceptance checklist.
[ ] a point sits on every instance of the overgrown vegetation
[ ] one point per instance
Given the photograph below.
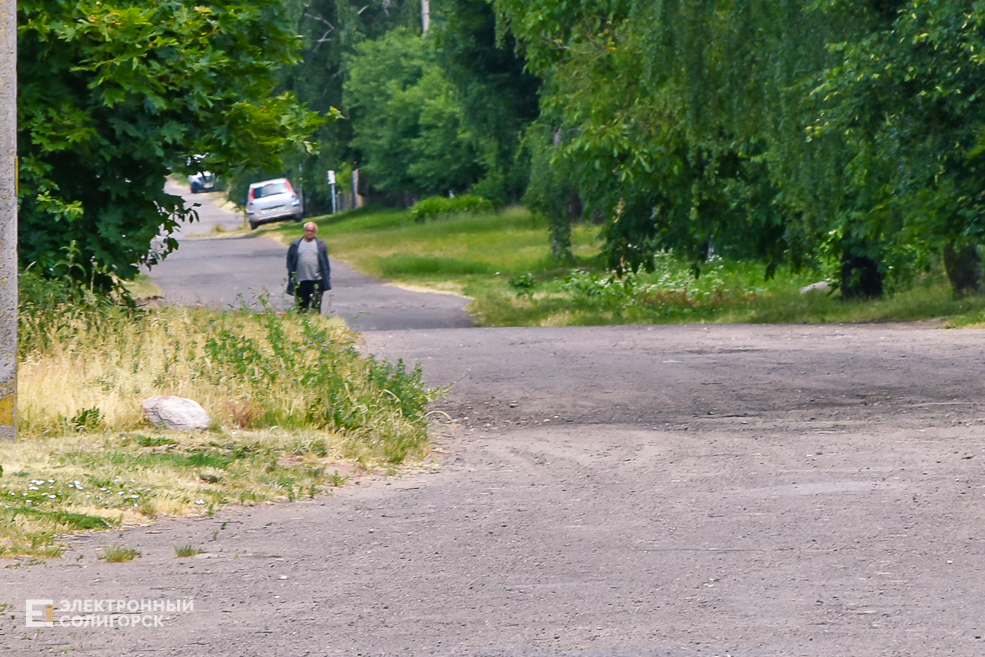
(290, 397)
(114, 94)
(435, 206)
(85, 368)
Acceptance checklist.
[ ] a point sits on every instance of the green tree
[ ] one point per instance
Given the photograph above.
(907, 99)
(627, 138)
(116, 92)
(330, 31)
(685, 126)
(408, 124)
(498, 95)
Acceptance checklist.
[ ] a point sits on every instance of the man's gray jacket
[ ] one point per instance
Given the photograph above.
(292, 265)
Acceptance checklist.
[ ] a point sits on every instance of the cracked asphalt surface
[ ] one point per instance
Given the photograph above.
(630, 491)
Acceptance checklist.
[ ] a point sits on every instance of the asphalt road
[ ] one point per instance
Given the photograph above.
(603, 491)
(231, 271)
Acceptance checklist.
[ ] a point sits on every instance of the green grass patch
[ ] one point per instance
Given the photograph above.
(501, 260)
(401, 265)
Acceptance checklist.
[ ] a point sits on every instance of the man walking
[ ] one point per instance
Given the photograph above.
(308, 273)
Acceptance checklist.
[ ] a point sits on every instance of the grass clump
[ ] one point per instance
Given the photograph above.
(89, 370)
(119, 553)
(184, 551)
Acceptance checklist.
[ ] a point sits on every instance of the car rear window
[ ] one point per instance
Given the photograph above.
(270, 190)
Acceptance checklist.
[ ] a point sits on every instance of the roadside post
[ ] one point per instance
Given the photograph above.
(8, 219)
(331, 182)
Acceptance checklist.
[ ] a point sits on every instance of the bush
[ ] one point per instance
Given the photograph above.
(434, 206)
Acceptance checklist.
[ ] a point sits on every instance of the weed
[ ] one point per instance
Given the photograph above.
(187, 551)
(119, 553)
(86, 420)
(524, 283)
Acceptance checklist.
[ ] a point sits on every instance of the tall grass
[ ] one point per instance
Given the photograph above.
(290, 396)
(91, 369)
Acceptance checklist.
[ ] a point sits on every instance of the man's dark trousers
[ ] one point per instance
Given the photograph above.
(307, 295)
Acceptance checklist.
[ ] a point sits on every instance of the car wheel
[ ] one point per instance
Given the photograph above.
(253, 225)
(195, 188)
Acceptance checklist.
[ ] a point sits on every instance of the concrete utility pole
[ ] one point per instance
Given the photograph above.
(8, 219)
(425, 15)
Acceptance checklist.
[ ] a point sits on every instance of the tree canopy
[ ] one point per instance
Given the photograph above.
(114, 94)
(843, 136)
(811, 132)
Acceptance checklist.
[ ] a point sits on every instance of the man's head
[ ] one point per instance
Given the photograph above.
(310, 230)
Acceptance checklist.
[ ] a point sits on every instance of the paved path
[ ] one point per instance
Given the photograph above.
(224, 272)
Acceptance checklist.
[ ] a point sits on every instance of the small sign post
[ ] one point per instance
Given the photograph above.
(331, 182)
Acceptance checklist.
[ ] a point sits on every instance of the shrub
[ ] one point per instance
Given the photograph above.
(434, 206)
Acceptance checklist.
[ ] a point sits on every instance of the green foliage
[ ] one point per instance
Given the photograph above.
(407, 122)
(119, 553)
(435, 206)
(618, 134)
(551, 187)
(906, 100)
(498, 94)
(112, 94)
(330, 30)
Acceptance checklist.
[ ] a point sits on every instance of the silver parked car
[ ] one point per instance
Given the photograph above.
(272, 200)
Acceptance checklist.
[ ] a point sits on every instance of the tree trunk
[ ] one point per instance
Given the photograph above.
(964, 268)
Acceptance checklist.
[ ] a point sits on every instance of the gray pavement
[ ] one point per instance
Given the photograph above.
(232, 271)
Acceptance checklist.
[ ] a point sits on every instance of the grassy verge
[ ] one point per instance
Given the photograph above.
(457, 253)
(102, 480)
(142, 287)
(502, 261)
(290, 397)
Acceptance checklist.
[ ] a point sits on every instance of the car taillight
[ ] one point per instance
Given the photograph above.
(290, 188)
(252, 193)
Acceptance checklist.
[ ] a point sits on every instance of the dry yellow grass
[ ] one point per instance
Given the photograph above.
(291, 400)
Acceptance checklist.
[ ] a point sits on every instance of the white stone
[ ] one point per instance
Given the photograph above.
(176, 413)
(820, 286)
